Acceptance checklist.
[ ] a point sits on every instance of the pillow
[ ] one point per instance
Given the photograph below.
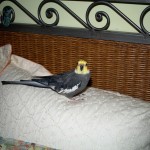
(96, 119)
(5, 54)
(33, 68)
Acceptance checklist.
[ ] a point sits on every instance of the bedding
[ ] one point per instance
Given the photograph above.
(5, 53)
(12, 144)
(96, 119)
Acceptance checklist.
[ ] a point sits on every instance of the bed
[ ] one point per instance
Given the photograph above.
(112, 113)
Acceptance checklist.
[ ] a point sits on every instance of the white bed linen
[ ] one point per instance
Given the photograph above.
(98, 120)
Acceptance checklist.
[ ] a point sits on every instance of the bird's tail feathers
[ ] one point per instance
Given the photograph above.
(41, 77)
(25, 82)
(10, 82)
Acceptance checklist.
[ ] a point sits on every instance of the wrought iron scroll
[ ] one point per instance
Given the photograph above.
(23, 9)
(144, 12)
(8, 15)
(51, 11)
(101, 14)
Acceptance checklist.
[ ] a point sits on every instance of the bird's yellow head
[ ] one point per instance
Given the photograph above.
(82, 67)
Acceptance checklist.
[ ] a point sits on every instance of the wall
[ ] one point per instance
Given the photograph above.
(117, 23)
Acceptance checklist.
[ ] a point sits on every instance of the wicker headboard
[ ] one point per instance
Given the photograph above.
(117, 66)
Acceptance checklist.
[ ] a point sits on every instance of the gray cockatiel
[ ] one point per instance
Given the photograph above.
(68, 84)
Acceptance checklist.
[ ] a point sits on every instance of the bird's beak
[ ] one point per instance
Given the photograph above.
(81, 67)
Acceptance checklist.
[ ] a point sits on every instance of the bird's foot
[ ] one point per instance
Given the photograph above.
(77, 98)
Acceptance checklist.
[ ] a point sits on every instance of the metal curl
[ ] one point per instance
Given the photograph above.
(56, 13)
(99, 17)
(8, 16)
(49, 14)
(144, 12)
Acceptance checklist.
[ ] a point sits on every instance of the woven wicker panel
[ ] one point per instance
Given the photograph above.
(117, 66)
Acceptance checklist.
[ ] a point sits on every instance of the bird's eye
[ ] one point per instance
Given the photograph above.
(86, 64)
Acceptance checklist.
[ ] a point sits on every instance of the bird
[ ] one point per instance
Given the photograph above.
(69, 83)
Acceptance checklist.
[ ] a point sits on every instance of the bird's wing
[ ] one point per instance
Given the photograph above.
(52, 81)
(60, 75)
(61, 83)
(70, 84)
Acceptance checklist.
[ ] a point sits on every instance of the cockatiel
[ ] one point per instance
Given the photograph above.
(68, 84)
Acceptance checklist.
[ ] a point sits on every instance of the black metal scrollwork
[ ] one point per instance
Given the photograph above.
(8, 16)
(24, 10)
(56, 12)
(107, 17)
(99, 16)
(145, 11)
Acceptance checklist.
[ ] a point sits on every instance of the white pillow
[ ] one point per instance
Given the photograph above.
(30, 66)
(99, 119)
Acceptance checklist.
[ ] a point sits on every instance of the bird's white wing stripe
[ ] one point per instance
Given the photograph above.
(66, 91)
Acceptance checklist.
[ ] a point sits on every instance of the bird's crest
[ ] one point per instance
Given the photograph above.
(82, 67)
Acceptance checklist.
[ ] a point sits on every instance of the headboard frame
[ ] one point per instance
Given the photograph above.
(119, 66)
(118, 61)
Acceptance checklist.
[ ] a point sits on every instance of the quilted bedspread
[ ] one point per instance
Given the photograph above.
(97, 119)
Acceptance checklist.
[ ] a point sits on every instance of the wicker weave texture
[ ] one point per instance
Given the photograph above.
(117, 66)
